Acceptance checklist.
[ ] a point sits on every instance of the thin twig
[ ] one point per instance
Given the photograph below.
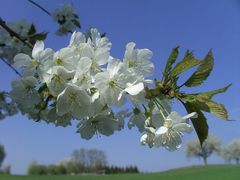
(40, 7)
(181, 86)
(13, 33)
(13, 68)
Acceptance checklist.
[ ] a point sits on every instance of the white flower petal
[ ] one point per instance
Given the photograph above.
(175, 142)
(86, 129)
(21, 60)
(175, 117)
(129, 53)
(113, 66)
(161, 130)
(62, 103)
(38, 47)
(101, 80)
(145, 55)
(183, 127)
(107, 124)
(111, 96)
(77, 38)
(159, 140)
(135, 89)
(84, 64)
(143, 139)
(95, 96)
(191, 115)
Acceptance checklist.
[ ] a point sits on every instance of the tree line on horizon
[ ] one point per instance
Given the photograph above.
(95, 161)
(82, 161)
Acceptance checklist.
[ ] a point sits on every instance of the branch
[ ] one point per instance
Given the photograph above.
(14, 34)
(14, 69)
(40, 7)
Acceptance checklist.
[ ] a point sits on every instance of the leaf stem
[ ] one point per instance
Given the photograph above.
(160, 108)
(40, 7)
(14, 34)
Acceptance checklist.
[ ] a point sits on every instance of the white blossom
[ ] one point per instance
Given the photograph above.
(82, 77)
(138, 60)
(111, 83)
(65, 57)
(67, 19)
(25, 95)
(148, 137)
(101, 47)
(137, 119)
(76, 39)
(38, 64)
(83, 82)
(174, 126)
(50, 116)
(10, 46)
(105, 123)
(73, 100)
(59, 79)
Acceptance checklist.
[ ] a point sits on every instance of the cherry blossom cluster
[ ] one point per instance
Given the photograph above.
(10, 45)
(67, 19)
(83, 82)
(7, 107)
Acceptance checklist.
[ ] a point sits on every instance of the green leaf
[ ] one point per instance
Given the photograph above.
(213, 107)
(207, 95)
(188, 62)
(200, 123)
(207, 105)
(75, 15)
(32, 30)
(171, 60)
(76, 23)
(40, 36)
(210, 94)
(203, 71)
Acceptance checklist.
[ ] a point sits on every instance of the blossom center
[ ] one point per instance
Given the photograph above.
(132, 63)
(112, 84)
(59, 61)
(35, 62)
(72, 96)
(167, 124)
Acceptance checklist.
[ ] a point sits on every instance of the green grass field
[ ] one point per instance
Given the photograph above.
(212, 172)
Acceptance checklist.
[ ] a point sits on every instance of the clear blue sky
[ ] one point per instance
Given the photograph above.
(157, 25)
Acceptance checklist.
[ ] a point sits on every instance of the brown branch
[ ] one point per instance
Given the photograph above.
(14, 34)
(40, 7)
(14, 69)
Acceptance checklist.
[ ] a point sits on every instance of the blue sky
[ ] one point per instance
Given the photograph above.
(157, 25)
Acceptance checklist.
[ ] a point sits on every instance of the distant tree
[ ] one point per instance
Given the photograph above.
(53, 169)
(97, 158)
(131, 169)
(232, 151)
(6, 170)
(72, 166)
(211, 145)
(2, 154)
(35, 169)
(56, 169)
(80, 155)
(120, 170)
(61, 170)
(91, 158)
